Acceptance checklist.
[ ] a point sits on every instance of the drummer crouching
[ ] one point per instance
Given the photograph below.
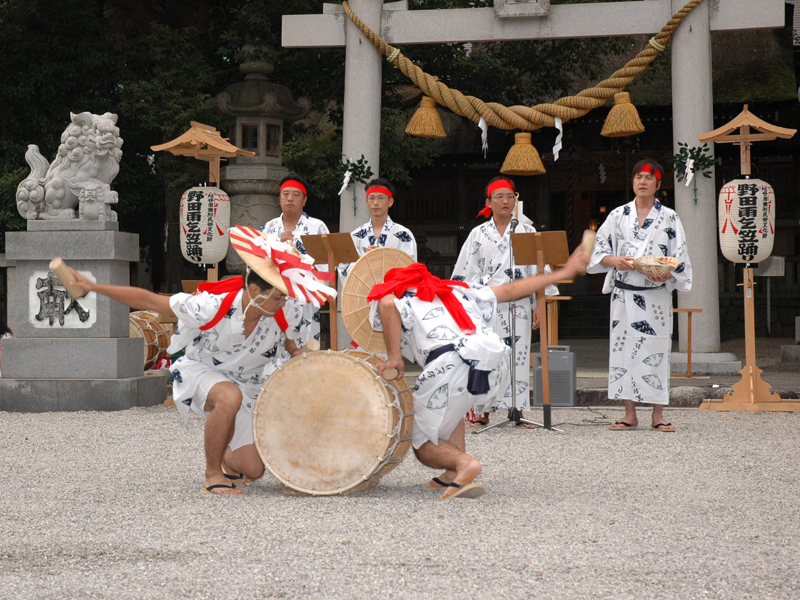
(446, 328)
(235, 334)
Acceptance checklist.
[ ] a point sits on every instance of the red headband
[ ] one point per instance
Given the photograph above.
(293, 183)
(379, 190)
(486, 212)
(650, 169)
(496, 185)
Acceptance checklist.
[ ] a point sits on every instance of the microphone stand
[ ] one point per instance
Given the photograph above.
(513, 411)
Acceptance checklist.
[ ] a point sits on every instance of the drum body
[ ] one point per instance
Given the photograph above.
(325, 423)
(144, 324)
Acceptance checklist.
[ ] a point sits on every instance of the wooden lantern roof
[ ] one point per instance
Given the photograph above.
(744, 138)
(202, 142)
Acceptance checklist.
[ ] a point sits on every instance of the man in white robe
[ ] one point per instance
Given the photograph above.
(485, 259)
(447, 330)
(641, 307)
(233, 337)
(380, 231)
(289, 227)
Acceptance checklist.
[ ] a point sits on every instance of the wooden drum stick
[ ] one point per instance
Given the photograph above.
(59, 267)
(390, 374)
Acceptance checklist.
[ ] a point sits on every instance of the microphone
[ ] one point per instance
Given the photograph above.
(514, 224)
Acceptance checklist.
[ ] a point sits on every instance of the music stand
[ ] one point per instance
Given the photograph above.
(540, 249)
(331, 249)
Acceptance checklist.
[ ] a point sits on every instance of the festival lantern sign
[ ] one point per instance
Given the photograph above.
(204, 142)
(746, 220)
(205, 217)
(746, 231)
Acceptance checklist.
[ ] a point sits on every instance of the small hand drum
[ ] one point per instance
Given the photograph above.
(144, 324)
(368, 271)
(655, 266)
(325, 423)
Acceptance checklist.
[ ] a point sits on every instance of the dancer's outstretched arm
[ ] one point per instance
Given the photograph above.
(135, 297)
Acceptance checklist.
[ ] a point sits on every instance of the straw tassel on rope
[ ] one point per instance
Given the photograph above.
(522, 159)
(623, 120)
(426, 122)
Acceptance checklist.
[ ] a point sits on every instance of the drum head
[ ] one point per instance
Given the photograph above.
(368, 271)
(323, 422)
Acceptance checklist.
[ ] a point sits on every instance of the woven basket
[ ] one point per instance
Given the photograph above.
(368, 271)
(655, 266)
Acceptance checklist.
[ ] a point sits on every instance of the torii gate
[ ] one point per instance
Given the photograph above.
(692, 98)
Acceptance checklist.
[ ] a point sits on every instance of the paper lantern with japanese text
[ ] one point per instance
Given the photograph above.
(205, 217)
(746, 220)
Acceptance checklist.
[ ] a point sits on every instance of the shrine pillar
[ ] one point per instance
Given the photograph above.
(692, 115)
(362, 108)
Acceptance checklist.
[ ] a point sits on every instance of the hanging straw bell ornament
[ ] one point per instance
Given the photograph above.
(426, 122)
(623, 120)
(522, 159)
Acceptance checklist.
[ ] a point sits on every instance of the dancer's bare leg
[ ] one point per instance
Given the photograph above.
(222, 403)
(244, 461)
(449, 457)
(458, 440)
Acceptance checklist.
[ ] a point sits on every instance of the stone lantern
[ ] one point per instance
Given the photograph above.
(260, 108)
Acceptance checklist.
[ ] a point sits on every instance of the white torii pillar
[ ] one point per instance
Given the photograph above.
(692, 97)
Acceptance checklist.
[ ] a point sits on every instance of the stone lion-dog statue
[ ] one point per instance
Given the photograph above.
(80, 176)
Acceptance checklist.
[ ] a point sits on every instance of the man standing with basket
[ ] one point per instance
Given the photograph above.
(643, 251)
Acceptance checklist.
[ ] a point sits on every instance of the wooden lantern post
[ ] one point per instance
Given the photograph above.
(203, 142)
(751, 393)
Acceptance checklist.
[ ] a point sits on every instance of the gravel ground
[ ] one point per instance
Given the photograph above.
(107, 505)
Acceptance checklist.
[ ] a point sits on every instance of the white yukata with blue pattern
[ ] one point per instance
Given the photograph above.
(223, 349)
(392, 235)
(309, 326)
(441, 398)
(485, 260)
(641, 320)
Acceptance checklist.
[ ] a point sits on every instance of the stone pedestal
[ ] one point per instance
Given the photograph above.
(72, 357)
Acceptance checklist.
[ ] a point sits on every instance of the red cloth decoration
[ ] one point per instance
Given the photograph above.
(486, 212)
(280, 318)
(416, 275)
(232, 284)
(650, 169)
(227, 302)
(376, 189)
(293, 183)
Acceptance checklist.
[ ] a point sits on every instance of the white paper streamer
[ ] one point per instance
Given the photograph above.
(346, 182)
(558, 145)
(484, 127)
(602, 170)
(689, 172)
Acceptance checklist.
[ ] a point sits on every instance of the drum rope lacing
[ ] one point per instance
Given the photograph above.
(395, 404)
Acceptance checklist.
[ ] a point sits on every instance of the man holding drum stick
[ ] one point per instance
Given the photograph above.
(446, 327)
(235, 334)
